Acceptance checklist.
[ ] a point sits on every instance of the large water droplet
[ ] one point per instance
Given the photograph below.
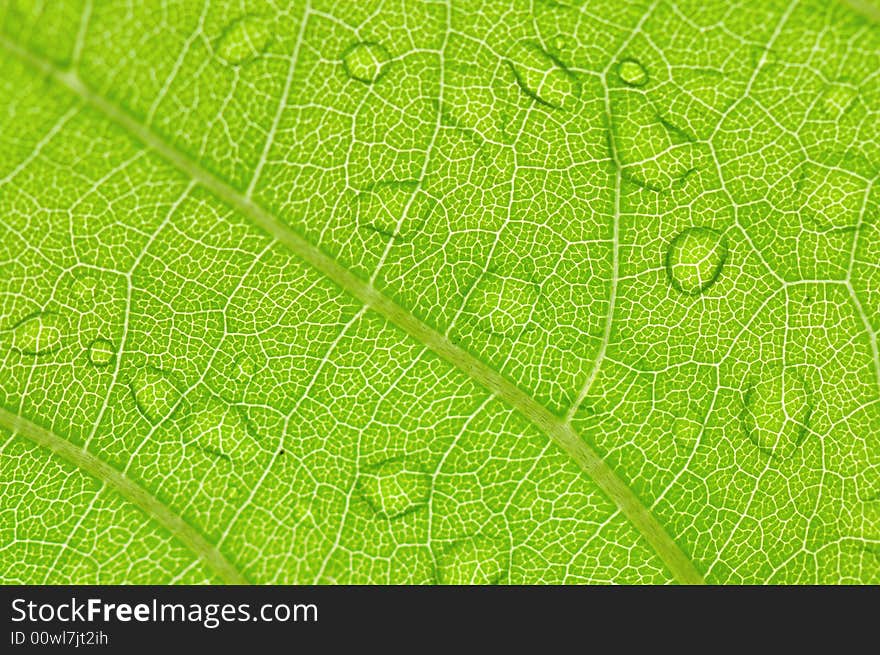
(543, 77)
(101, 352)
(244, 40)
(777, 410)
(393, 490)
(695, 258)
(653, 152)
(366, 61)
(39, 334)
(478, 560)
(632, 72)
(154, 394)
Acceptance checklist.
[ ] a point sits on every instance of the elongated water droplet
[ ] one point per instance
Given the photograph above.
(653, 152)
(154, 394)
(244, 40)
(632, 72)
(392, 489)
(39, 334)
(478, 560)
(544, 77)
(366, 61)
(395, 209)
(777, 411)
(695, 258)
(221, 432)
(101, 352)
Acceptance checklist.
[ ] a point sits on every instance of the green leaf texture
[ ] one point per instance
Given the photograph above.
(439, 292)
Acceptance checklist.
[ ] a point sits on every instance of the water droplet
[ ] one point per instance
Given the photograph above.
(244, 40)
(101, 352)
(695, 258)
(503, 305)
(777, 410)
(393, 490)
(632, 72)
(653, 152)
(222, 432)
(83, 289)
(366, 61)
(562, 43)
(154, 394)
(477, 560)
(232, 372)
(39, 334)
(394, 209)
(543, 77)
(837, 98)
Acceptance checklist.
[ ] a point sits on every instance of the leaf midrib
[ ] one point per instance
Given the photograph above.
(128, 489)
(558, 430)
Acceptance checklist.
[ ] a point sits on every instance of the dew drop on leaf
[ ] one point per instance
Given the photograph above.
(838, 98)
(101, 352)
(38, 334)
(776, 412)
(245, 365)
(244, 40)
(503, 305)
(695, 258)
(365, 61)
(395, 208)
(154, 394)
(543, 77)
(392, 489)
(477, 560)
(232, 373)
(216, 430)
(632, 72)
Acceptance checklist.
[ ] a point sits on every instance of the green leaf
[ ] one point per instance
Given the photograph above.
(414, 292)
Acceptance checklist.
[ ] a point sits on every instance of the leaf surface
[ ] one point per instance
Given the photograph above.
(417, 292)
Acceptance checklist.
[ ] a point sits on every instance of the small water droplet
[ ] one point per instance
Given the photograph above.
(245, 365)
(777, 410)
(101, 352)
(232, 372)
(543, 77)
(478, 560)
(366, 61)
(39, 334)
(562, 43)
(83, 289)
(837, 98)
(222, 432)
(154, 394)
(244, 40)
(395, 209)
(503, 305)
(695, 258)
(393, 490)
(632, 72)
